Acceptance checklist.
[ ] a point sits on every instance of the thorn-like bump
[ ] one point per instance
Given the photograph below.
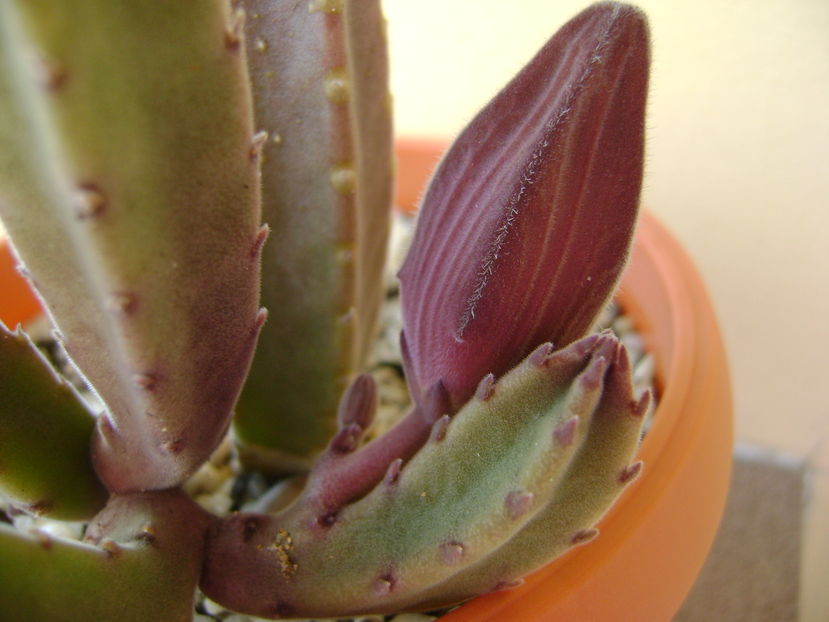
(347, 439)
(327, 520)
(343, 179)
(250, 527)
(146, 382)
(123, 302)
(174, 446)
(607, 346)
(53, 75)
(261, 318)
(641, 406)
(384, 584)
(260, 44)
(234, 29)
(435, 402)
(90, 201)
(583, 347)
(338, 86)
(518, 503)
(631, 472)
(508, 585)
(259, 240)
(439, 429)
(622, 360)
(451, 553)
(584, 536)
(592, 377)
(541, 354)
(565, 432)
(256, 144)
(486, 388)
(392, 476)
(359, 402)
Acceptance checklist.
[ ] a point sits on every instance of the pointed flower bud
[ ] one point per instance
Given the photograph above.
(526, 225)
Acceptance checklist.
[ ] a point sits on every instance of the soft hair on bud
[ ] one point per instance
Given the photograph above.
(543, 188)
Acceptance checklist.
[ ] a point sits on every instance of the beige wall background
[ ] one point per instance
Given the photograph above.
(737, 166)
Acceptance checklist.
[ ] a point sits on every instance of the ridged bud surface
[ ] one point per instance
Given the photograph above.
(525, 227)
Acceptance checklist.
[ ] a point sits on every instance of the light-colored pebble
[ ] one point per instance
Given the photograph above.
(622, 325)
(635, 345)
(206, 480)
(643, 372)
(219, 501)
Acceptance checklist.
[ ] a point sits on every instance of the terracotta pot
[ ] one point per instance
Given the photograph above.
(655, 539)
(17, 302)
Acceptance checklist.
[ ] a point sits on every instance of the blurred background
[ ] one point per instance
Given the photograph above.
(737, 166)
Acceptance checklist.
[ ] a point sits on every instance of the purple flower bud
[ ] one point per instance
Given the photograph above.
(525, 228)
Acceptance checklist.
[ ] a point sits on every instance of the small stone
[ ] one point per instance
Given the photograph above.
(622, 325)
(644, 372)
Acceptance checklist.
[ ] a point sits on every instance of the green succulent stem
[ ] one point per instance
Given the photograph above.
(132, 197)
(45, 429)
(141, 561)
(321, 101)
(484, 476)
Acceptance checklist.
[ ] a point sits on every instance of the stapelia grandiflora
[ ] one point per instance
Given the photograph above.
(141, 148)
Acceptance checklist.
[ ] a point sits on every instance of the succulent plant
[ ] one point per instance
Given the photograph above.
(142, 147)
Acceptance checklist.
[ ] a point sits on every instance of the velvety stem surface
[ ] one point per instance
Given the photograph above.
(320, 82)
(129, 186)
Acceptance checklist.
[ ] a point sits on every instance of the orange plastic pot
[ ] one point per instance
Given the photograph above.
(655, 539)
(17, 302)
